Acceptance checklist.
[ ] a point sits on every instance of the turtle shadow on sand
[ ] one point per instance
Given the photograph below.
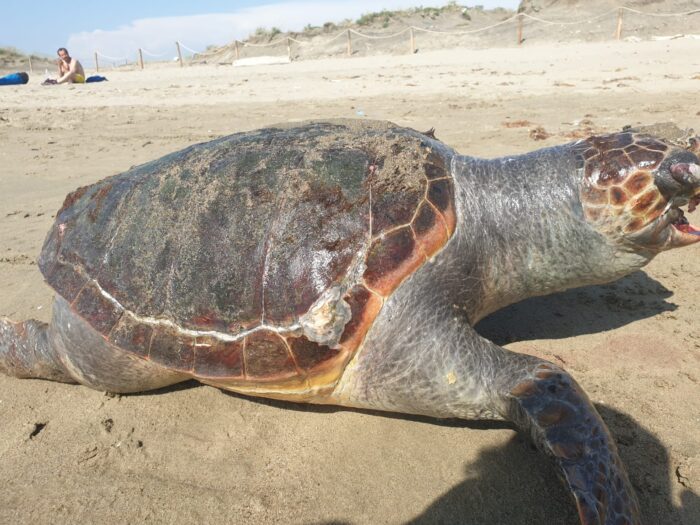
(579, 311)
(509, 485)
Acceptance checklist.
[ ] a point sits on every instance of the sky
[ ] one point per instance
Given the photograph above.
(117, 29)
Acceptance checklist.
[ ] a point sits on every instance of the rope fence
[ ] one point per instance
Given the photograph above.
(518, 19)
(115, 61)
(350, 34)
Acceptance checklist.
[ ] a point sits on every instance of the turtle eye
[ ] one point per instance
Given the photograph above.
(686, 174)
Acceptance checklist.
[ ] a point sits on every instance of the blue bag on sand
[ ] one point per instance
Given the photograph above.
(95, 78)
(14, 79)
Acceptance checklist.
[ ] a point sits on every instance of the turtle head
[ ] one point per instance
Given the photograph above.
(634, 187)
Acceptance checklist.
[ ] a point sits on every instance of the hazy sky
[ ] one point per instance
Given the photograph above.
(120, 27)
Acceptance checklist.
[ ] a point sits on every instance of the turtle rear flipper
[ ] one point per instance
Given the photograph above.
(554, 410)
(25, 351)
(70, 350)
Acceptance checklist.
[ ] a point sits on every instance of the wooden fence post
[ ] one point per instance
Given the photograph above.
(413, 42)
(289, 48)
(141, 58)
(97, 64)
(520, 28)
(618, 32)
(179, 53)
(31, 71)
(237, 52)
(349, 44)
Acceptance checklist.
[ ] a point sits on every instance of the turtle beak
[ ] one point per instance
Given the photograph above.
(687, 175)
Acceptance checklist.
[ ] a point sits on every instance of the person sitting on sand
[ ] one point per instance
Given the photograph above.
(69, 69)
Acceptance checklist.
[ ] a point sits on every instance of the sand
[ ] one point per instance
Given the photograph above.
(194, 454)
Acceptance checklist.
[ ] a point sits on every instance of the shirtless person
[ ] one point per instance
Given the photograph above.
(69, 69)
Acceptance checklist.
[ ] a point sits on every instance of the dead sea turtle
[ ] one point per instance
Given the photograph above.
(345, 263)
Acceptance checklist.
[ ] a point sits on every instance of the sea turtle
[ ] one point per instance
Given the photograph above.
(345, 262)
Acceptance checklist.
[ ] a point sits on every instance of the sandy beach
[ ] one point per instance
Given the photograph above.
(194, 454)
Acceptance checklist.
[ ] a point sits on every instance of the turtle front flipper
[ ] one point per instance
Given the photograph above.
(547, 403)
(433, 363)
(25, 351)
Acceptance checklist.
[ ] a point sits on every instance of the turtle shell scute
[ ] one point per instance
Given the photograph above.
(97, 309)
(309, 355)
(170, 346)
(390, 258)
(267, 357)
(219, 359)
(131, 335)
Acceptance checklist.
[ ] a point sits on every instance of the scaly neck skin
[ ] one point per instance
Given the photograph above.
(522, 232)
